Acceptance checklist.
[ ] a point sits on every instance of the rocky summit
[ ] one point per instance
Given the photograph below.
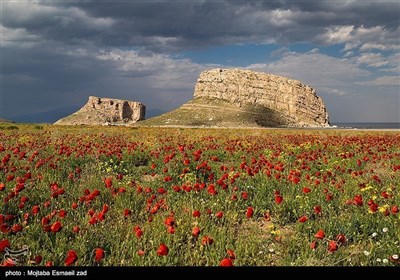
(106, 111)
(244, 98)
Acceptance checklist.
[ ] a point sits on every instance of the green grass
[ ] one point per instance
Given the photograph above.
(210, 112)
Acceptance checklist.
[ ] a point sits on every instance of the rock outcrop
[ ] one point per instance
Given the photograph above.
(106, 111)
(244, 98)
(296, 104)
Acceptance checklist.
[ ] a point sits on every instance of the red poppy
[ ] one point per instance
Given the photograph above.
(167, 178)
(341, 238)
(108, 182)
(358, 200)
(127, 212)
(16, 228)
(219, 214)
(231, 254)
(171, 230)
(169, 221)
(162, 250)
(93, 220)
(72, 257)
(278, 199)
(306, 190)
(56, 227)
(99, 254)
(226, 262)
(328, 197)
(207, 240)
(138, 233)
(317, 209)
(196, 213)
(49, 263)
(320, 234)
(245, 195)
(395, 209)
(38, 259)
(2, 187)
(141, 252)
(76, 229)
(62, 213)
(161, 190)
(91, 212)
(313, 245)
(250, 212)
(35, 209)
(196, 231)
(332, 246)
(4, 244)
(101, 216)
(302, 219)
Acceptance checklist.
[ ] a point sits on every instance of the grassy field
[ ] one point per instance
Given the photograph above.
(122, 196)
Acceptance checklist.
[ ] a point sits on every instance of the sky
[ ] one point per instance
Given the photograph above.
(55, 54)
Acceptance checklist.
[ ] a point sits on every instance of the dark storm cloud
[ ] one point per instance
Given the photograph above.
(193, 24)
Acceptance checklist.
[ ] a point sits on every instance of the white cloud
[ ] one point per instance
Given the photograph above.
(157, 70)
(333, 91)
(372, 59)
(315, 69)
(17, 38)
(280, 18)
(362, 38)
(382, 47)
(382, 81)
(337, 34)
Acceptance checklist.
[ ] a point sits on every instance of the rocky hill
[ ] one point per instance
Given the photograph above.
(5, 121)
(106, 111)
(244, 98)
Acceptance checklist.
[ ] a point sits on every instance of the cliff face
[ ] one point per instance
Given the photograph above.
(106, 111)
(294, 103)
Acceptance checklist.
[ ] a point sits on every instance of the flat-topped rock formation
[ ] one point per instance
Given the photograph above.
(106, 111)
(244, 98)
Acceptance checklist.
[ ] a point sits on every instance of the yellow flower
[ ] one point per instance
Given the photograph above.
(383, 208)
(366, 188)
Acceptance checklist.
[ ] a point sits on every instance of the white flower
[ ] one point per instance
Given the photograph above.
(385, 229)
(367, 253)
(385, 261)
(395, 257)
(271, 250)
(374, 234)
(378, 260)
